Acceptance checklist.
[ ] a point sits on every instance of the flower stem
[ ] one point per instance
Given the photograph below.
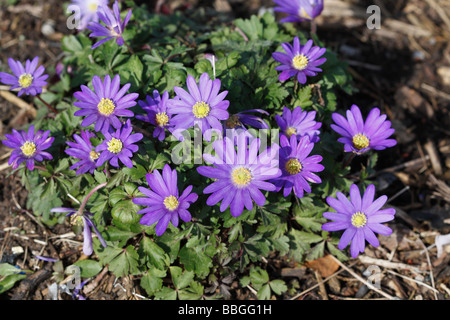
(313, 27)
(83, 204)
(48, 106)
(349, 159)
(128, 47)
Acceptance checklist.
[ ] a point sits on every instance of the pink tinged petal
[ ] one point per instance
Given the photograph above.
(87, 239)
(346, 237)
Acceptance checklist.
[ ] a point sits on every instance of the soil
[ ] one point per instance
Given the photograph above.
(402, 68)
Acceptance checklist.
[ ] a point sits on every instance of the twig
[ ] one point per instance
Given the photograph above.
(369, 285)
(430, 266)
(18, 102)
(412, 279)
(388, 264)
(318, 284)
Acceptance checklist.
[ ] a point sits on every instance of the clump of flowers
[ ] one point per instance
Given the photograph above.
(88, 11)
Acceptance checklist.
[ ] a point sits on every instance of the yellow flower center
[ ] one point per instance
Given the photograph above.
(290, 131)
(94, 155)
(300, 62)
(93, 7)
(360, 141)
(201, 109)
(115, 145)
(106, 107)
(162, 119)
(359, 219)
(302, 13)
(241, 177)
(233, 122)
(76, 220)
(293, 166)
(171, 203)
(28, 148)
(25, 80)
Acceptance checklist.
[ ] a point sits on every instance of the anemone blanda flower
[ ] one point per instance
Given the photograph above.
(299, 10)
(106, 104)
(28, 146)
(203, 105)
(297, 166)
(114, 25)
(29, 79)
(85, 221)
(82, 149)
(236, 123)
(360, 217)
(299, 123)
(164, 202)
(360, 136)
(118, 145)
(87, 10)
(299, 60)
(240, 176)
(158, 113)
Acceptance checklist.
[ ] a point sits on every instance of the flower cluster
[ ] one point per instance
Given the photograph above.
(243, 171)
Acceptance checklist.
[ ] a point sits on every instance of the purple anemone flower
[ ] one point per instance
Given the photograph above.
(299, 123)
(360, 217)
(87, 10)
(114, 26)
(203, 105)
(28, 146)
(164, 202)
(29, 79)
(236, 123)
(297, 167)
(82, 149)
(299, 60)
(360, 136)
(299, 10)
(240, 176)
(84, 220)
(119, 145)
(106, 104)
(158, 113)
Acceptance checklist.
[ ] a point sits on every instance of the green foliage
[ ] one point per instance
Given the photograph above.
(184, 261)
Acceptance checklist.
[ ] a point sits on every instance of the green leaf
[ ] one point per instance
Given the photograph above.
(125, 263)
(89, 268)
(154, 254)
(258, 277)
(194, 259)
(264, 292)
(9, 281)
(131, 72)
(181, 279)
(6, 269)
(126, 212)
(278, 286)
(152, 280)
